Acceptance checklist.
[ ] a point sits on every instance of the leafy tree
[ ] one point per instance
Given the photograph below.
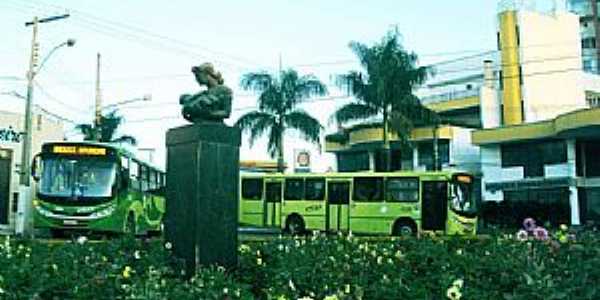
(277, 109)
(384, 89)
(106, 130)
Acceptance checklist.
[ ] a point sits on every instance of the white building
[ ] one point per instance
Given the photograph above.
(540, 134)
(11, 138)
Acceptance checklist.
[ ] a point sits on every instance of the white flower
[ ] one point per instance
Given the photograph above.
(244, 248)
(82, 239)
(259, 261)
(379, 260)
(280, 247)
(225, 291)
(306, 298)
(347, 289)
(459, 252)
(332, 297)
(453, 293)
(292, 286)
(168, 246)
(137, 254)
(459, 283)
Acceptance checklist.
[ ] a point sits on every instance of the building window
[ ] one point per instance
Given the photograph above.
(353, 161)
(588, 43)
(498, 40)
(518, 35)
(252, 188)
(500, 80)
(520, 75)
(587, 65)
(426, 153)
(532, 156)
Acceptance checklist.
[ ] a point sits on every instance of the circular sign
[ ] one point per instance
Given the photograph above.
(303, 159)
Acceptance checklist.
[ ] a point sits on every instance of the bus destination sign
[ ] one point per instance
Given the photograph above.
(79, 150)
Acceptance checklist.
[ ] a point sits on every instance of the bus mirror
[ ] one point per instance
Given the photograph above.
(35, 164)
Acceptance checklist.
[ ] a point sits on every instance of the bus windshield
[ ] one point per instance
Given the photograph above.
(461, 198)
(75, 178)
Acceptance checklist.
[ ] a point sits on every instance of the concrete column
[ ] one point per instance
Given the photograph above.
(372, 161)
(572, 171)
(415, 158)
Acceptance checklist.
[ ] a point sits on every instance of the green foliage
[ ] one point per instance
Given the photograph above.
(315, 267)
(277, 108)
(108, 128)
(385, 88)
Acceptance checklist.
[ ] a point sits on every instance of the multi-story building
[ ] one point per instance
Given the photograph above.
(11, 140)
(589, 25)
(523, 117)
(540, 133)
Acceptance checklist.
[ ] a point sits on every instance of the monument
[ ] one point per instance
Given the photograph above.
(203, 176)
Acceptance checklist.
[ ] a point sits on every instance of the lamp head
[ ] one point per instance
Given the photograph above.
(70, 42)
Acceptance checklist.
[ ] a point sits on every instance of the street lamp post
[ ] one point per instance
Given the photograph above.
(23, 224)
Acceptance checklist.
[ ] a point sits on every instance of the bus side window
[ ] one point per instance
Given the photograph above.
(143, 177)
(294, 189)
(133, 174)
(252, 188)
(315, 189)
(402, 189)
(368, 189)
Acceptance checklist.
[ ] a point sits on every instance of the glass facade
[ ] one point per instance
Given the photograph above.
(532, 156)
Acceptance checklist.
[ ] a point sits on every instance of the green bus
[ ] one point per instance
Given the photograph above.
(96, 187)
(399, 203)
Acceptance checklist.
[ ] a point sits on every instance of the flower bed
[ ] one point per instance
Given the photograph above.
(316, 267)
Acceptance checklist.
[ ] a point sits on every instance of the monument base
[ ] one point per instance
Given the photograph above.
(202, 194)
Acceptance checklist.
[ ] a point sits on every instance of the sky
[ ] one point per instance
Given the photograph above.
(149, 46)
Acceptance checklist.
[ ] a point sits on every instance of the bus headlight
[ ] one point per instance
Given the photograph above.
(104, 212)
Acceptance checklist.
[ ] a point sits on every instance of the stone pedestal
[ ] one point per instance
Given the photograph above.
(202, 194)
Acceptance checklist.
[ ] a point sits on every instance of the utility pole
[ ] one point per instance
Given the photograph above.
(24, 220)
(98, 117)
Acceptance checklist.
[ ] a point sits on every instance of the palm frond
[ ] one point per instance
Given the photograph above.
(87, 130)
(309, 86)
(271, 100)
(256, 123)
(125, 139)
(305, 124)
(354, 112)
(257, 81)
(275, 138)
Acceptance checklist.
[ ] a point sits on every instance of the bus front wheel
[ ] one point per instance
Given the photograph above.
(295, 225)
(404, 228)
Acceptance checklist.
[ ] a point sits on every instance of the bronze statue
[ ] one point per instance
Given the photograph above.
(212, 104)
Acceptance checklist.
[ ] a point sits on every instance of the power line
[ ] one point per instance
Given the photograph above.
(54, 99)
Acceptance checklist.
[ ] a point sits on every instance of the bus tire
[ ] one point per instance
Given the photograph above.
(404, 227)
(294, 225)
(130, 225)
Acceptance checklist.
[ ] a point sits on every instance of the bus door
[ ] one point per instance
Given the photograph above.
(272, 204)
(337, 211)
(434, 205)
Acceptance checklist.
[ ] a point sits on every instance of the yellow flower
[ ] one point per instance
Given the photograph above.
(347, 289)
(244, 248)
(127, 272)
(564, 227)
(563, 238)
(259, 261)
(332, 297)
(282, 297)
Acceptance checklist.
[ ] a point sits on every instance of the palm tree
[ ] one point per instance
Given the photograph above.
(106, 130)
(277, 109)
(385, 89)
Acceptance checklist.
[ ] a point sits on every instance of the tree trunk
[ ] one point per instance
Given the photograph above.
(387, 155)
(280, 162)
(436, 154)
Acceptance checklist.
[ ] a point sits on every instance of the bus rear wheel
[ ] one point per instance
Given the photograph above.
(294, 225)
(404, 228)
